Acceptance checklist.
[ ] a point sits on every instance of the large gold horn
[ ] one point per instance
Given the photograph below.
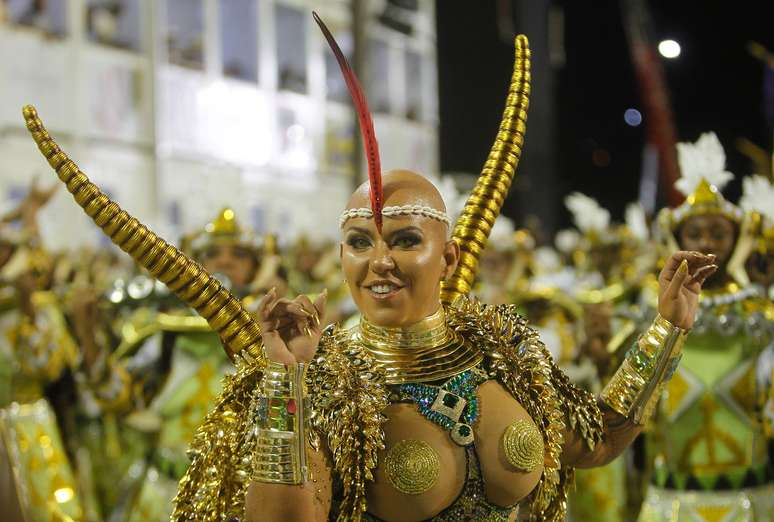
(239, 332)
(483, 206)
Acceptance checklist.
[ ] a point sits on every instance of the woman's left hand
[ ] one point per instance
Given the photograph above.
(680, 284)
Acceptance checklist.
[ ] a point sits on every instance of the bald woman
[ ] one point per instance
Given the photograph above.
(424, 470)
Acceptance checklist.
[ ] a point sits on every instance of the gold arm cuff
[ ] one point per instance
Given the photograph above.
(634, 389)
(281, 417)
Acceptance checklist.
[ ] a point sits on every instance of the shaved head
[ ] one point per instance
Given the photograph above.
(394, 275)
(401, 187)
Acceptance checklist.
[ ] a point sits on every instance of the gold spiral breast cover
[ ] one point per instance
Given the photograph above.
(523, 445)
(413, 466)
(484, 203)
(225, 314)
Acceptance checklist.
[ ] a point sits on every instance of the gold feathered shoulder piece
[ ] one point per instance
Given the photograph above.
(214, 487)
(517, 358)
(348, 397)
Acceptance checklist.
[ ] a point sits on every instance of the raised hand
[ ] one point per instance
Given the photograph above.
(291, 329)
(680, 285)
(28, 209)
(39, 197)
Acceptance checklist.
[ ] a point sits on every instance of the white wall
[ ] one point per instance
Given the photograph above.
(174, 145)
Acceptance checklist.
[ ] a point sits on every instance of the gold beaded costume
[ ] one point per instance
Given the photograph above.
(37, 481)
(350, 391)
(267, 413)
(169, 367)
(709, 446)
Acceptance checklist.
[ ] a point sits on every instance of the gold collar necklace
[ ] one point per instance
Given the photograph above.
(423, 352)
(429, 332)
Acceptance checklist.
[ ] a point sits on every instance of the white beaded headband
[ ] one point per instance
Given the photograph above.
(404, 210)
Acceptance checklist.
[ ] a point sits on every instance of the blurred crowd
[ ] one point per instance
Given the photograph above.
(104, 374)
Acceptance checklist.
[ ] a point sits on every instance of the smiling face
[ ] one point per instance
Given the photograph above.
(395, 277)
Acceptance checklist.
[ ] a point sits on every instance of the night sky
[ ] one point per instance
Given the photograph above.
(714, 85)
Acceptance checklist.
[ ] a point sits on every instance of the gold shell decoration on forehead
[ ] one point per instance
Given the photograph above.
(412, 466)
(523, 445)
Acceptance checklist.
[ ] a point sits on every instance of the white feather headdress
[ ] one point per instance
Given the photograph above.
(567, 240)
(758, 196)
(587, 214)
(637, 222)
(501, 237)
(704, 159)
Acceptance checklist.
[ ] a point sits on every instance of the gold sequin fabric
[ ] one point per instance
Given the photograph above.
(412, 466)
(523, 445)
(515, 356)
(349, 395)
(214, 487)
(348, 400)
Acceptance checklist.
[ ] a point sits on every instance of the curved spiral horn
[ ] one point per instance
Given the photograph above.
(484, 203)
(225, 314)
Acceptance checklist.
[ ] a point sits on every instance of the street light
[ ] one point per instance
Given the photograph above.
(669, 49)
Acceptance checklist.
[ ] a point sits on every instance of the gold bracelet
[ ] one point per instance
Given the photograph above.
(634, 389)
(281, 425)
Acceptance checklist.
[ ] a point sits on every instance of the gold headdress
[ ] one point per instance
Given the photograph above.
(702, 177)
(224, 229)
(483, 206)
(602, 241)
(589, 217)
(758, 197)
(185, 277)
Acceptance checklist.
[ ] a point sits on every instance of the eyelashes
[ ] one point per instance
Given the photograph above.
(407, 240)
(403, 240)
(358, 242)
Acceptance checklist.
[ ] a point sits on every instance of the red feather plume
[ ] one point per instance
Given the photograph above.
(366, 125)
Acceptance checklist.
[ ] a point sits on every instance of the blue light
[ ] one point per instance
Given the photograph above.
(632, 117)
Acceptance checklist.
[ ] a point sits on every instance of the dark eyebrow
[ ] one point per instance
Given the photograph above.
(358, 229)
(410, 228)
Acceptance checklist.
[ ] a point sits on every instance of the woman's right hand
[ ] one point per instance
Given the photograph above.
(291, 329)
